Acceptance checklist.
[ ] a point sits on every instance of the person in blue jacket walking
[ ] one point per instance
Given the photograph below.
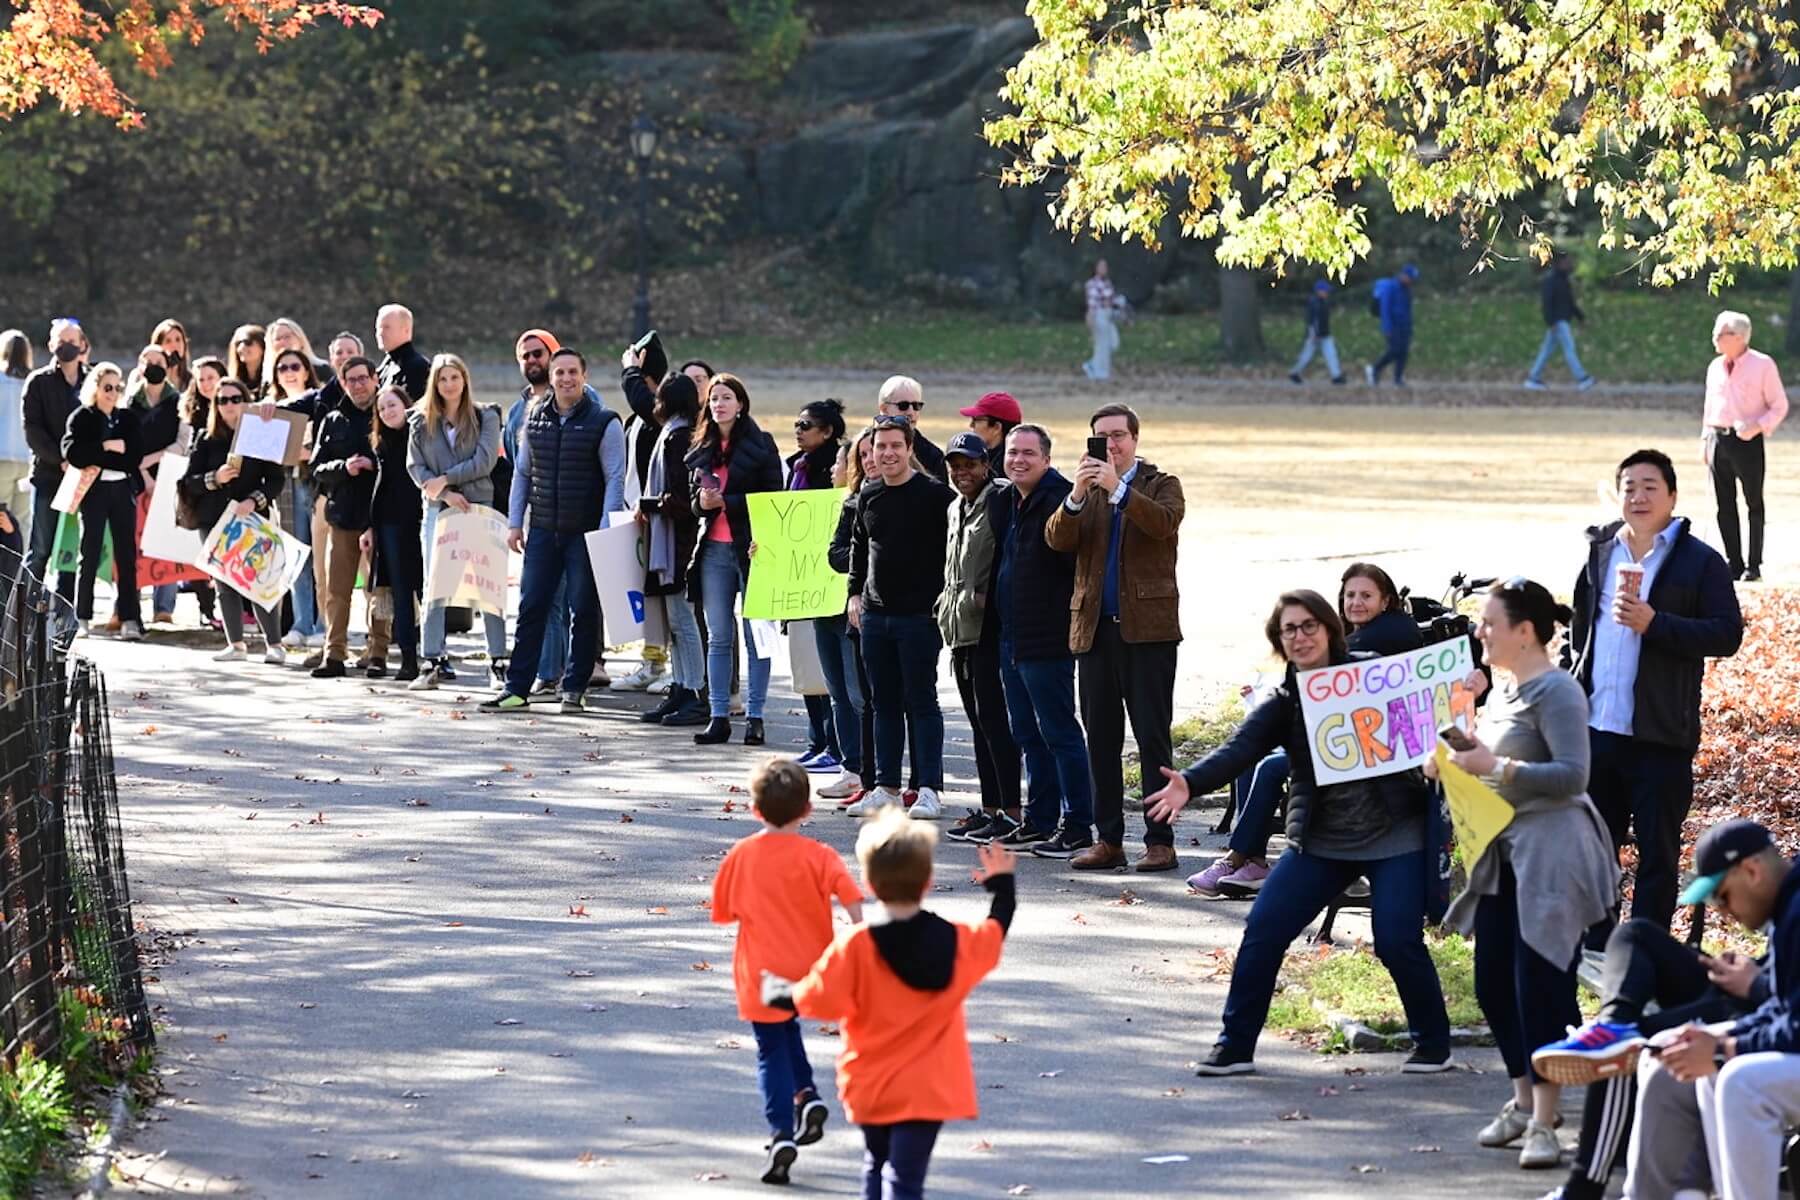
(1394, 305)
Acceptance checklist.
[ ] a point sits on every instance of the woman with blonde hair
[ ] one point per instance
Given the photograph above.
(285, 334)
(103, 434)
(451, 448)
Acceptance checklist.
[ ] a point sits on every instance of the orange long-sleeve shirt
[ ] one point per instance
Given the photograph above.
(778, 888)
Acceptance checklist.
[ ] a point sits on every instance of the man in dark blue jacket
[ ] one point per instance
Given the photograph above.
(1394, 305)
(1318, 336)
(1652, 604)
(1558, 297)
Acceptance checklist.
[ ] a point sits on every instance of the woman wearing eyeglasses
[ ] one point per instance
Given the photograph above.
(102, 434)
(1550, 874)
(1369, 828)
(214, 482)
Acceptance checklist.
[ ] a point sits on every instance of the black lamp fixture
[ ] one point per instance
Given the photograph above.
(643, 146)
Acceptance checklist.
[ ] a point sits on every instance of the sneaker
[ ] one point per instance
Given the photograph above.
(1589, 1054)
(331, 668)
(1339, 380)
(661, 684)
(1023, 837)
(544, 687)
(927, 807)
(1294, 377)
(131, 631)
(998, 827)
(497, 671)
(1586, 384)
(1224, 1059)
(782, 1153)
(427, 680)
(823, 763)
(599, 679)
(853, 798)
(1541, 1149)
(295, 640)
(805, 760)
(572, 704)
(873, 801)
(1536, 385)
(809, 1119)
(275, 656)
(1504, 1129)
(971, 826)
(1206, 883)
(1427, 1062)
(841, 788)
(443, 670)
(505, 702)
(314, 640)
(1247, 878)
(1369, 374)
(639, 680)
(231, 654)
(375, 668)
(1063, 844)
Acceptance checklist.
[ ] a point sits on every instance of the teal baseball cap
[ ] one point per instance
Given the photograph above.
(1719, 849)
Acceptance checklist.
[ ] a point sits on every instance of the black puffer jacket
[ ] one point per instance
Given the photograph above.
(89, 428)
(258, 480)
(1278, 723)
(349, 499)
(755, 466)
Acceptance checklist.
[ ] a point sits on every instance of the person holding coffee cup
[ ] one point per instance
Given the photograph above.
(1651, 606)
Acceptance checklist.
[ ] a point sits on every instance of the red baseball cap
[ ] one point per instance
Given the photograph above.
(996, 406)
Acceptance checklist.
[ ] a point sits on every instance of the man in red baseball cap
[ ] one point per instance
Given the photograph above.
(993, 417)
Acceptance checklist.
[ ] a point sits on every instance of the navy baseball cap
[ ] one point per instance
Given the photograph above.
(968, 443)
(1410, 271)
(1322, 286)
(1719, 849)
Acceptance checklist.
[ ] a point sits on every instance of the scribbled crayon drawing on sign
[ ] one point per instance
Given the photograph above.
(252, 556)
(1381, 716)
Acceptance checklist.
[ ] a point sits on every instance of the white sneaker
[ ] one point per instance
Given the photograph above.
(231, 654)
(876, 800)
(1536, 385)
(427, 680)
(275, 656)
(1369, 374)
(314, 640)
(1504, 1129)
(131, 631)
(639, 679)
(1541, 1149)
(927, 807)
(661, 684)
(844, 785)
(295, 640)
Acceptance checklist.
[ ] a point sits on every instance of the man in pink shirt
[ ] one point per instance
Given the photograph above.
(1744, 404)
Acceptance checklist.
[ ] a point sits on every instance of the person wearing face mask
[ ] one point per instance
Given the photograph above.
(343, 470)
(102, 434)
(52, 393)
(1372, 828)
(155, 400)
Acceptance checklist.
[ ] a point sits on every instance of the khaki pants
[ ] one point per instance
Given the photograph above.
(338, 553)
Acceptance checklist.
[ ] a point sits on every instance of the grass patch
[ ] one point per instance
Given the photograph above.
(1201, 734)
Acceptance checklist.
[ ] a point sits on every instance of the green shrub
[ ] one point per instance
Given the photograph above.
(34, 1113)
(771, 36)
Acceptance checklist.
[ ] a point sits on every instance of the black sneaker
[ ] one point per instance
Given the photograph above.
(998, 827)
(1427, 1062)
(971, 827)
(809, 1118)
(331, 668)
(1063, 844)
(1227, 1060)
(782, 1153)
(1023, 837)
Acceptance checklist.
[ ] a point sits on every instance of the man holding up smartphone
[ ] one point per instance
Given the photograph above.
(1122, 519)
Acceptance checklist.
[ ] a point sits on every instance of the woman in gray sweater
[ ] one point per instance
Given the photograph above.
(1549, 874)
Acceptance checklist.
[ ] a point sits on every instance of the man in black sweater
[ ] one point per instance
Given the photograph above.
(1558, 298)
(901, 396)
(896, 573)
(403, 366)
(51, 393)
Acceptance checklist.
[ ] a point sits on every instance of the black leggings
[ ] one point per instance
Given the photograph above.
(231, 608)
(109, 504)
(1528, 1000)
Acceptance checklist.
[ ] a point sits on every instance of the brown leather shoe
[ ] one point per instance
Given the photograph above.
(1101, 856)
(1158, 858)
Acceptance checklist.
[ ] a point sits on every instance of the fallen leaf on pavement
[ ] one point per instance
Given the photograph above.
(1174, 1091)
(626, 818)
(1366, 1169)
(1296, 1115)
(710, 1176)
(702, 965)
(1021, 1189)
(1127, 897)
(983, 1146)
(1048, 1074)
(418, 802)
(579, 910)
(658, 910)
(580, 974)
(1427, 1149)
(1328, 1090)
(1079, 919)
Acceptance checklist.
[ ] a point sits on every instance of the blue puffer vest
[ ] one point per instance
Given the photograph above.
(567, 491)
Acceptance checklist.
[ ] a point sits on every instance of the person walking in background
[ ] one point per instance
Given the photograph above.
(1122, 521)
(52, 393)
(1558, 299)
(1745, 403)
(666, 513)
(1393, 302)
(1652, 604)
(1318, 336)
(15, 451)
(1103, 305)
(993, 417)
(103, 434)
(902, 397)
(396, 559)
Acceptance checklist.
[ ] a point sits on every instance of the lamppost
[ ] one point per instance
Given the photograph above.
(643, 145)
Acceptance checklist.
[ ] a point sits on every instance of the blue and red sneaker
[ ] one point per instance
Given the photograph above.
(1594, 1052)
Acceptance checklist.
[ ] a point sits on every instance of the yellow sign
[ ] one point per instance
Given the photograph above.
(790, 576)
(1476, 810)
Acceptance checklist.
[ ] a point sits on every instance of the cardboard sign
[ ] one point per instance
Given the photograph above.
(253, 556)
(153, 571)
(616, 556)
(279, 440)
(1381, 716)
(468, 560)
(790, 576)
(66, 558)
(1477, 812)
(74, 488)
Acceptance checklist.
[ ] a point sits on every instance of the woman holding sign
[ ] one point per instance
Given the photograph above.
(217, 479)
(1549, 874)
(832, 745)
(1372, 828)
(102, 434)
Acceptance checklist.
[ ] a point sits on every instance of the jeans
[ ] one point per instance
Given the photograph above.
(1641, 784)
(782, 1071)
(1297, 890)
(721, 579)
(1120, 679)
(895, 1159)
(109, 504)
(43, 536)
(820, 733)
(688, 655)
(553, 659)
(977, 671)
(1736, 460)
(1399, 345)
(1528, 1000)
(398, 548)
(553, 559)
(162, 597)
(1558, 334)
(432, 639)
(1258, 793)
(1325, 345)
(1040, 708)
(837, 658)
(901, 654)
(1106, 340)
(306, 604)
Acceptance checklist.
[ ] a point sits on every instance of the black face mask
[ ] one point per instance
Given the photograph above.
(67, 352)
(154, 374)
(175, 360)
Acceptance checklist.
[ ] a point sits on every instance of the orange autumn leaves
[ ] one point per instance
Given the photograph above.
(61, 49)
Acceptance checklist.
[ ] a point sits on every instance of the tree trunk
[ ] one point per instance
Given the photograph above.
(1240, 315)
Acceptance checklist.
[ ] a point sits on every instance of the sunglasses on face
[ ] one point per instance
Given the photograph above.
(528, 355)
(1305, 628)
(110, 388)
(286, 367)
(803, 426)
(908, 405)
(231, 398)
(890, 422)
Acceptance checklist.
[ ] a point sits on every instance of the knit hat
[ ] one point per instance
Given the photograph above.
(542, 335)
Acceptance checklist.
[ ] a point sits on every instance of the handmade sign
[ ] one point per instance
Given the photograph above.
(74, 487)
(281, 439)
(616, 556)
(804, 667)
(468, 560)
(253, 556)
(66, 559)
(790, 576)
(154, 570)
(1477, 812)
(1380, 716)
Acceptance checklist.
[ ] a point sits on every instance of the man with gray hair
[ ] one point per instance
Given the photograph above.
(901, 396)
(1745, 403)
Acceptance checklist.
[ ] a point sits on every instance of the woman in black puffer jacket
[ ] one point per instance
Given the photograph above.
(1372, 828)
(212, 484)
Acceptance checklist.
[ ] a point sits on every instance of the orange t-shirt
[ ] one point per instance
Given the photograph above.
(906, 1051)
(778, 888)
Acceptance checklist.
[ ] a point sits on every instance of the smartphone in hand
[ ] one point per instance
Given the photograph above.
(1456, 739)
(1096, 448)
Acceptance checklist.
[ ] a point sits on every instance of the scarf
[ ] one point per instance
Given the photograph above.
(659, 560)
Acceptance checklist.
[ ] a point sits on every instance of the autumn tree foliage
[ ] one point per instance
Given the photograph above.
(62, 48)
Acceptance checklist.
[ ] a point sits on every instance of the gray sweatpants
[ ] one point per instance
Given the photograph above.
(1746, 1109)
(1668, 1150)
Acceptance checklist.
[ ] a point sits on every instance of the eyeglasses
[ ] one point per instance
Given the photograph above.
(1305, 628)
(908, 405)
(110, 388)
(290, 365)
(531, 354)
(231, 398)
(803, 426)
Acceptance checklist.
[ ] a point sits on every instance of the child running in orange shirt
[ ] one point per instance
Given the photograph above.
(778, 885)
(898, 986)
